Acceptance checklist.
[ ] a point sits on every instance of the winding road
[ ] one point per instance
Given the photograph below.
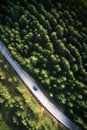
(29, 81)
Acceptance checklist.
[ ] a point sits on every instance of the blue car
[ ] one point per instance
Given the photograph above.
(35, 88)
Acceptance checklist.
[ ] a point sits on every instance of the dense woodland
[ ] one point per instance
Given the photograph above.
(18, 108)
(49, 40)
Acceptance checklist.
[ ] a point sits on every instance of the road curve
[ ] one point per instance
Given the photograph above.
(29, 81)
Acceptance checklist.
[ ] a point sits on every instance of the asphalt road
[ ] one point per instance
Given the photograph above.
(29, 81)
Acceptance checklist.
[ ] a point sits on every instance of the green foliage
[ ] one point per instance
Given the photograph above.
(59, 29)
(49, 40)
(3, 125)
(17, 105)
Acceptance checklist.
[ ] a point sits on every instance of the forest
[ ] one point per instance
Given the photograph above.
(19, 110)
(49, 40)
